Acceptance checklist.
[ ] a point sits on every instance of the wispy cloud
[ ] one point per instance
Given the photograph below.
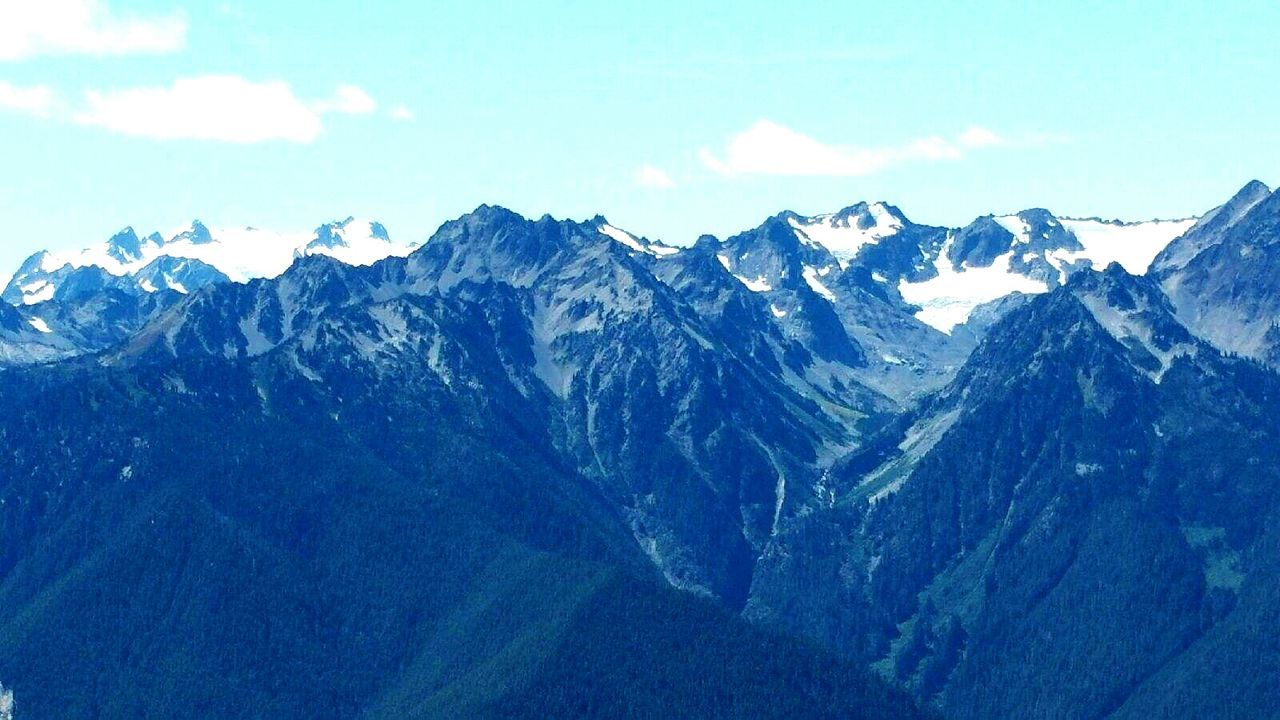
(34, 100)
(213, 107)
(30, 28)
(767, 148)
(221, 108)
(979, 137)
(400, 113)
(651, 177)
(348, 99)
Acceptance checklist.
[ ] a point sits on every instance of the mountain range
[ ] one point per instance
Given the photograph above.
(832, 466)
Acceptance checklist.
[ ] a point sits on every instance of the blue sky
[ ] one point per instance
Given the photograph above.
(671, 118)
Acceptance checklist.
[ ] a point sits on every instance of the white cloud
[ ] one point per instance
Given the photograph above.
(768, 148)
(212, 107)
(29, 28)
(350, 100)
(976, 137)
(401, 113)
(34, 100)
(652, 177)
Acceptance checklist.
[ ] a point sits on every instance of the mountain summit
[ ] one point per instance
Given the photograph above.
(740, 478)
(199, 256)
(1221, 274)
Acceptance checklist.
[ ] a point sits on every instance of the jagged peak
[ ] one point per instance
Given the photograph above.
(1213, 228)
(1253, 188)
(1271, 200)
(865, 214)
(1067, 324)
(1112, 275)
(1117, 222)
(328, 235)
(492, 228)
(125, 245)
(197, 234)
(1034, 219)
(487, 214)
(1119, 288)
(1035, 227)
(778, 230)
(310, 263)
(707, 242)
(1137, 313)
(1037, 214)
(126, 233)
(630, 240)
(868, 216)
(33, 261)
(1253, 194)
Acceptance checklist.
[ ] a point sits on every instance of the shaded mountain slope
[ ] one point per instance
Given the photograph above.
(215, 536)
(696, 429)
(1221, 275)
(976, 540)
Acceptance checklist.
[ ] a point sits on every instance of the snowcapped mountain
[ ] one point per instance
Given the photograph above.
(1221, 275)
(900, 304)
(387, 460)
(845, 233)
(1209, 230)
(196, 256)
(948, 273)
(917, 446)
(1029, 252)
(632, 242)
(863, 292)
(842, 307)
(604, 339)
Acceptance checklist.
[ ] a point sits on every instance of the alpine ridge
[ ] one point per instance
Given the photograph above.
(841, 465)
(1220, 274)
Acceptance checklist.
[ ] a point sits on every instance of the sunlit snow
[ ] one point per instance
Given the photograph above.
(811, 276)
(635, 243)
(1133, 245)
(843, 238)
(241, 254)
(947, 299)
(759, 284)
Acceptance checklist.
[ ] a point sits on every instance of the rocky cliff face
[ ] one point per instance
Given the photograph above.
(1221, 275)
